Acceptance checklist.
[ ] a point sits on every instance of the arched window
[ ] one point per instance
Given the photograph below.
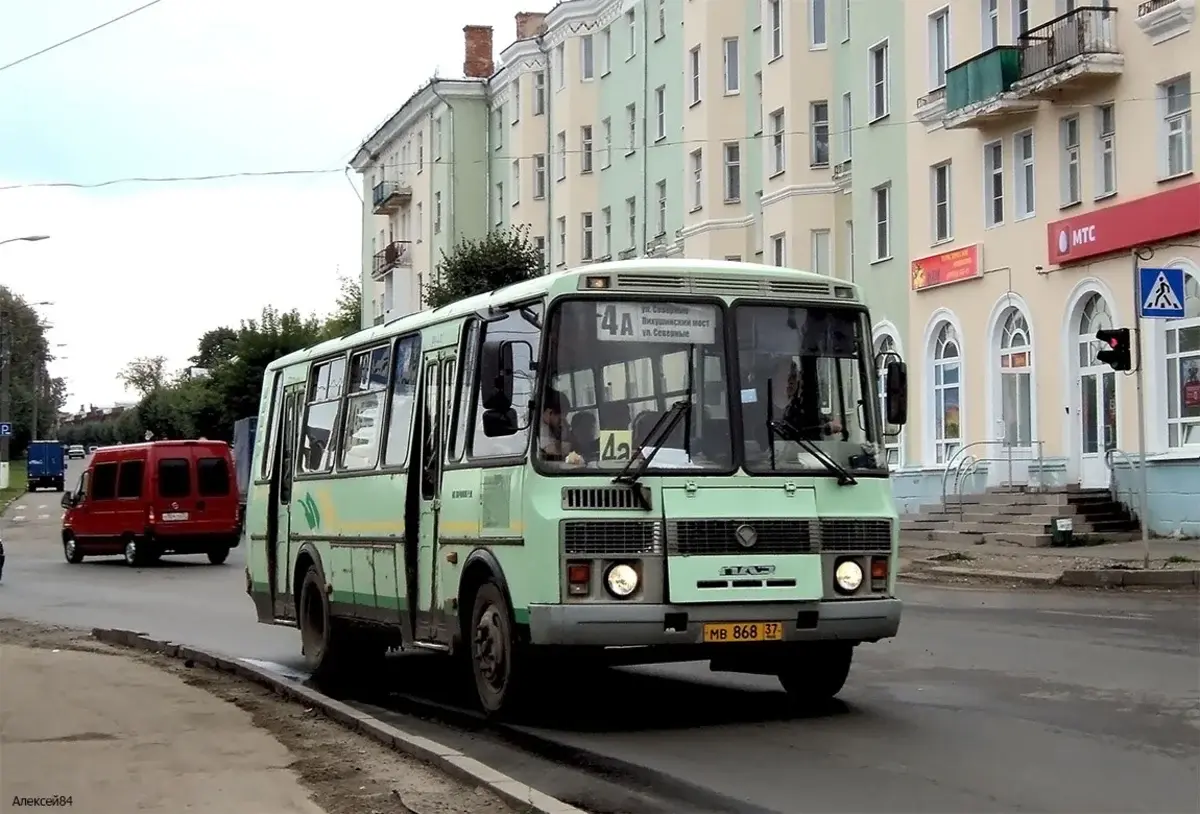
(1016, 378)
(885, 351)
(1097, 382)
(947, 393)
(1183, 370)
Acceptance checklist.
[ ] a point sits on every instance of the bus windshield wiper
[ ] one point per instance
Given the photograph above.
(661, 430)
(788, 432)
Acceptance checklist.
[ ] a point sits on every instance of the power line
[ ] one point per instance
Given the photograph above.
(80, 35)
(444, 162)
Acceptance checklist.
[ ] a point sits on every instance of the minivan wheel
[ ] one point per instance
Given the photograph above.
(133, 554)
(71, 551)
(218, 555)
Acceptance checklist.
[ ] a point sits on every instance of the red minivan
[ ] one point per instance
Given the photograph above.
(146, 500)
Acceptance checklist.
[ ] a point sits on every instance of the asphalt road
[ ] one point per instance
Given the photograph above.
(989, 700)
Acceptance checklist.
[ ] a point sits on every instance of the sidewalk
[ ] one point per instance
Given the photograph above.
(89, 728)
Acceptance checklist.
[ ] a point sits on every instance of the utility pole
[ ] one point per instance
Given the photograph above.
(5, 392)
(37, 396)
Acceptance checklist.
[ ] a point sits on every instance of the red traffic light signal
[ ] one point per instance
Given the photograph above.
(1119, 355)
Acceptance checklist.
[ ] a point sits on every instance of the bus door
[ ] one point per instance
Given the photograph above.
(433, 395)
(279, 521)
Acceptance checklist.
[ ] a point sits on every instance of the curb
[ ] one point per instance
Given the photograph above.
(930, 574)
(518, 795)
(1133, 578)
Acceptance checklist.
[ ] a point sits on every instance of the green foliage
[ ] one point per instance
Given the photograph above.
(500, 258)
(347, 315)
(29, 352)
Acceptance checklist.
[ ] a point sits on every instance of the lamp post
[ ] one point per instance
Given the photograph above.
(26, 238)
(5, 373)
(38, 386)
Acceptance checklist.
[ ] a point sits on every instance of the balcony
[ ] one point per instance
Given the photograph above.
(1163, 20)
(1064, 57)
(931, 108)
(388, 195)
(397, 254)
(841, 173)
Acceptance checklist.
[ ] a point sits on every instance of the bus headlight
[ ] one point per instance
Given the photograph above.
(848, 575)
(622, 580)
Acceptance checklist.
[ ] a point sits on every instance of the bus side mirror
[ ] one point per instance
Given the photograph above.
(496, 377)
(500, 423)
(896, 393)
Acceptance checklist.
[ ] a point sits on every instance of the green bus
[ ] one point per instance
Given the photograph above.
(629, 462)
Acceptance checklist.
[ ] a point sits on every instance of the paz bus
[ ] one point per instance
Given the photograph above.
(630, 462)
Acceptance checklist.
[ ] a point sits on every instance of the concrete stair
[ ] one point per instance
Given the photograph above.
(1023, 517)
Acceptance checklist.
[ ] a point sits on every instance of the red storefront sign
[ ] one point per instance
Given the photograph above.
(953, 266)
(1110, 229)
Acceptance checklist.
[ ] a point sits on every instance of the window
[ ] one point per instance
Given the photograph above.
(1026, 189)
(420, 220)
(847, 126)
(731, 66)
(560, 157)
(557, 66)
(821, 250)
(540, 243)
(939, 188)
(431, 431)
(885, 352)
(631, 125)
(778, 250)
(1020, 18)
(818, 118)
(947, 380)
(589, 247)
(1106, 150)
(606, 222)
(324, 398)
(129, 479)
(499, 127)
(631, 220)
(1016, 376)
(778, 153)
(993, 169)
(516, 107)
(662, 18)
(775, 23)
(697, 164)
(605, 51)
(562, 241)
(606, 134)
(758, 105)
(520, 329)
(990, 13)
(845, 20)
(1068, 135)
(362, 431)
(437, 213)
(817, 24)
(212, 477)
(733, 172)
(437, 139)
(850, 249)
(939, 48)
(174, 477)
(881, 206)
(516, 181)
(1183, 370)
(880, 101)
(585, 148)
(587, 58)
(1177, 124)
(694, 73)
(539, 176)
(539, 93)
(661, 189)
(499, 202)
(420, 152)
(458, 414)
(631, 31)
(660, 113)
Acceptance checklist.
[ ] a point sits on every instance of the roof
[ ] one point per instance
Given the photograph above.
(421, 101)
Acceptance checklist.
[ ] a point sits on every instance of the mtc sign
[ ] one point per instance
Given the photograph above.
(1124, 226)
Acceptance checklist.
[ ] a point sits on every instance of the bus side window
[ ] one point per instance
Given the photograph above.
(527, 341)
(465, 390)
(324, 399)
(403, 399)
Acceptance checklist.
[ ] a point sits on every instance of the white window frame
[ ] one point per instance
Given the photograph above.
(606, 222)
(849, 249)
(695, 85)
(539, 93)
(562, 240)
(631, 31)
(587, 248)
(818, 25)
(660, 113)
(989, 24)
(558, 66)
(731, 153)
(944, 445)
(879, 101)
(881, 218)
(631, 221)
(661, 189)
(941, 202)
(437, 139)
(1024, 175)
(437, 213)
(662, 19)
(993, 184)
(539, 176)
(420, 153)
(1070, 161)
(606, 150)
(516, 106)
(605, 53)
(775, 28)
(939, 47)
(1175, 105)
(1020, 18)
(587, 58)
(696, 166)
(499, 219)
(778, 142)
(758, 106)
(1106, 151)
(560, 155)
(821, 245)
(631, 126)
(847, 125)
(515, 178)
(585, 149)
(779, 250)
(818, 127)
(499, 128)
(1181, 431)
(731, 66)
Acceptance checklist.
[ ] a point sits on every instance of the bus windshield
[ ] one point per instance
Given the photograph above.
(616, 367)
(805, 389)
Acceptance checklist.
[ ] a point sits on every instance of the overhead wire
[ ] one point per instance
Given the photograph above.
(80, 35)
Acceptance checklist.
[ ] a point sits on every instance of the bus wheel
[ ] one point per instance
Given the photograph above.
(817, 672)
(494, 656)
(328, 646)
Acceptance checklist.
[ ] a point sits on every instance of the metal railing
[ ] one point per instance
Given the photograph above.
(1152, 6)
(394, 254)
(386, 189)
(959, 460)
(1114, 487)
(1085, 31)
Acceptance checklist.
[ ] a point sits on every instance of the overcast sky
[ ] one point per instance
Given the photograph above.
(195, 87)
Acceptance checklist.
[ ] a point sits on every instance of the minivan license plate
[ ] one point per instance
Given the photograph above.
(175, 516)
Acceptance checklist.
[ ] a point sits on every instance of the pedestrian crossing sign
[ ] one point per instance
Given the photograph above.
(1160, 293)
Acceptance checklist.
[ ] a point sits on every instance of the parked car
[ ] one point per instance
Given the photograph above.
(76, 451)
(92, 449)
(45, 466)
(142, 501)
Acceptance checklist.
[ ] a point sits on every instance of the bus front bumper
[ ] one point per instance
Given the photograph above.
(640, 625)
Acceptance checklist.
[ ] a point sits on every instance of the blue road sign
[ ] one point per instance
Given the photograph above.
(5, 429)
(1160, 293)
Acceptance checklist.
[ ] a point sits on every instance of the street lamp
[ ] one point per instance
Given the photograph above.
(26, 238)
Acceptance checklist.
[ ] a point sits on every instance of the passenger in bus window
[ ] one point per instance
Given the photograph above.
(789, 401)
(585, 436)
(554, 443)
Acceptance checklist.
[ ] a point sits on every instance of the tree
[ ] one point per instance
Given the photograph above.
(214, 347)
(29, 352)
(347, 315)
(500, 258)
(145, 375)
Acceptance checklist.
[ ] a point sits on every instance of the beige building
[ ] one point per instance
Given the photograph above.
(1051, 140)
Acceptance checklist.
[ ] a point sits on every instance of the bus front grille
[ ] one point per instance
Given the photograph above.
(853, 536)
(776, 536)
(617, 538)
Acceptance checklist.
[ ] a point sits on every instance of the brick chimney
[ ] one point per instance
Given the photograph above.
(478, 45)
(530, 24)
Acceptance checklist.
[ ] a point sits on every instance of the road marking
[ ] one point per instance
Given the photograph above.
(18, 518)
(1121, 616)
(42, 506)
(19, 508)
(43, 517)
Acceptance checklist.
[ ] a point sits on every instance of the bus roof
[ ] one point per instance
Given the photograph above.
(529, 289)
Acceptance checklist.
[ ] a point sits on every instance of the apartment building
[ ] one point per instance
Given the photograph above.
(1052, 139)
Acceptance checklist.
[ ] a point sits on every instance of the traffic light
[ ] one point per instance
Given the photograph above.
(1119, 353)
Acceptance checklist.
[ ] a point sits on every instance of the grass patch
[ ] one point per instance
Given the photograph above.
(17, 481)
(953, 556)
(1179, 559)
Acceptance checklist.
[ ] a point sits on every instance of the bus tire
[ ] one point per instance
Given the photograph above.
(332, 651)
(495, 652)
(817, 672)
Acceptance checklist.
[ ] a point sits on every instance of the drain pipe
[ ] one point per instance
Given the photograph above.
(646, 129)
(449, 208)
(548, 254)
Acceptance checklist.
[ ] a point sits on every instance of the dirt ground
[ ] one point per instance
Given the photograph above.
(338, 771)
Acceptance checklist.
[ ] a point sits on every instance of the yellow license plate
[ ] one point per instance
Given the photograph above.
(744, 632)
